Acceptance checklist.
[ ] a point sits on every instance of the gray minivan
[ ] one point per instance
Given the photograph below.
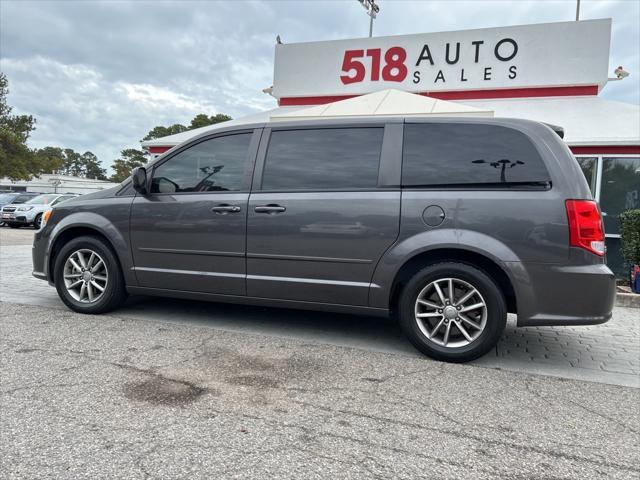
(448, 223)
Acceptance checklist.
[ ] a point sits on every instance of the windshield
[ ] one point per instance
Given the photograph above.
(42, 199)
(7, 197)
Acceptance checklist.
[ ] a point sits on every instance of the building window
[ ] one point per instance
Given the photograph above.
(589, 166)
(620, 189)
(615, 183)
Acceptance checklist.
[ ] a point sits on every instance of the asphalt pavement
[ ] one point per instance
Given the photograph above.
(115, 397)
(174, 389)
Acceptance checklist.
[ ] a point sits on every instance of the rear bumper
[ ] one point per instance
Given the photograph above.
(564, 294)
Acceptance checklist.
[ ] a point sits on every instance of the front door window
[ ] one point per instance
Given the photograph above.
(215, 165)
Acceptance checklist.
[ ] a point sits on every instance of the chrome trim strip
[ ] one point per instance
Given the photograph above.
(189, 272)
(177, 251)
(310, 280)
(315, 281)
(305, 258)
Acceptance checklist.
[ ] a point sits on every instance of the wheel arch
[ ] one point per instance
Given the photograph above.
(69, 234)
(421, 260)
(96, 226)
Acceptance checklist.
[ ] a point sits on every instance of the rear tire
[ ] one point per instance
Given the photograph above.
(445, 325)
(91, 262)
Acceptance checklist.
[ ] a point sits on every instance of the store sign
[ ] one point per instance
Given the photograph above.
(543, 55)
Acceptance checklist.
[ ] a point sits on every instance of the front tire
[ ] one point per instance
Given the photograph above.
(452, 312)
(37, 222)
(88, 277)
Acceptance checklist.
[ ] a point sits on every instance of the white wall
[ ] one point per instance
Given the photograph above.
(56, 183)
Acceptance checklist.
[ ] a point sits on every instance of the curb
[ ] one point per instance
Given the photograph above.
(631, 300)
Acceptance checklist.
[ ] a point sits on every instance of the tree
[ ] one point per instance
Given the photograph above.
(160, 131)
(52, 158)
(72, 163)
(202, 120)
(17, 160)
(130, 159)
(69, 162)
(91, 167)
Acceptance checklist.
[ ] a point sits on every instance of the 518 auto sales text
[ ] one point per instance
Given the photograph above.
(391, 65)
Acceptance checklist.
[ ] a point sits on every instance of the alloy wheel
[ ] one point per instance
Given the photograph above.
(85, 276)
(451, 312)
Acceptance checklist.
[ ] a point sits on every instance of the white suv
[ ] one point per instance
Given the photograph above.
(30, 213)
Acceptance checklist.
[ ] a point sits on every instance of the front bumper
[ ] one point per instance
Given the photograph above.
(40, 256)
(565, 294)
(17, 218)
(39, 275)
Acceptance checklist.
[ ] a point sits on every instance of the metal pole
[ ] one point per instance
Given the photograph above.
(370, 26)
(578, 11)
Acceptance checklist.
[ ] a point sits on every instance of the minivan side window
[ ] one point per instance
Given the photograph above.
(439, 154)
(323, 159)
(217, 164)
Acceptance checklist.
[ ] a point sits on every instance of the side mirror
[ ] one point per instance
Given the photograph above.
(139, 180)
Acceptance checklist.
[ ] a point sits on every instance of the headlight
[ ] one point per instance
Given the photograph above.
(45, 217)
(23, 209)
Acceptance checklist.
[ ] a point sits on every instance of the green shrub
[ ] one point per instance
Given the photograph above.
(630, 232)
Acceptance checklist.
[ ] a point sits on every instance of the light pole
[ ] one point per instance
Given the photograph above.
(56, 182)
(578, 10)
(372, 10)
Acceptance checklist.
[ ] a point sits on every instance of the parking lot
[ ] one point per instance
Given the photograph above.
(168, 388)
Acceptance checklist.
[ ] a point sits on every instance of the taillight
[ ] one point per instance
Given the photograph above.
(585, 226)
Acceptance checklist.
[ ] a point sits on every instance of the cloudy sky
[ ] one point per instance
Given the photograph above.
(98, 75)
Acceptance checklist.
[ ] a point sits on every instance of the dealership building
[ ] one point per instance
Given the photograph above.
(54, 183)
(553, 73)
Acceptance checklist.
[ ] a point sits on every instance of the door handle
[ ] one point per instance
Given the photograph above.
(224, 208)
(271, 209)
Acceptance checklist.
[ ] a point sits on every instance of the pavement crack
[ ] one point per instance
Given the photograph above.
(482, 440)
(43, 387)
(529, 387)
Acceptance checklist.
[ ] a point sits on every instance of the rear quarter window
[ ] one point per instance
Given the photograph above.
(469, 154)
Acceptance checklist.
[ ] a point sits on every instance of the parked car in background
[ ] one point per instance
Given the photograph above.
(7, 198)
(17, 215)
(448, 223)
